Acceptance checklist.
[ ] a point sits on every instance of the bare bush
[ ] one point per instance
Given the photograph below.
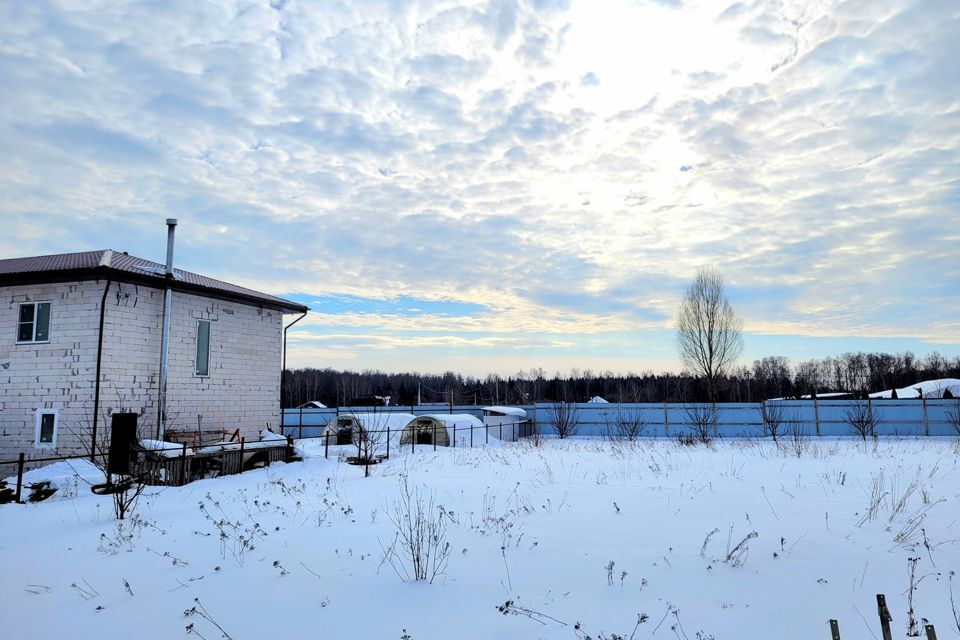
(369, 440)
(419, 550)
(953, 417)
(773, 416)
(862, 419)
(703, 418)
(737, 554)
(796, 440)
(627, 425)
(565, 419)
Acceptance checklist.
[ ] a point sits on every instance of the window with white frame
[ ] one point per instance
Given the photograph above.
(202, 364)
(33, 322)
(46, 430)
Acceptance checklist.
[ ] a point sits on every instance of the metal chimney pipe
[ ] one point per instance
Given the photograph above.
(171, 230)
(165, 334)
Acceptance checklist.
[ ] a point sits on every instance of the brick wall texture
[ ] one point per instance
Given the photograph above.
(241, 391)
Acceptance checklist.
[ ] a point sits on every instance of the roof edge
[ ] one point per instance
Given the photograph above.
(104, 271)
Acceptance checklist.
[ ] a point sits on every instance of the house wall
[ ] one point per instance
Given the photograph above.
(55, 375)
(241, 392)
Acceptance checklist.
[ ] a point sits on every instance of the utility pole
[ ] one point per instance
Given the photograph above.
(418, 395)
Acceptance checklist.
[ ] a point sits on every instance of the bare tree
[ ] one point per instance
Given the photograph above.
(862, 419)
(368, 439)
(709, 332)
(565, 419)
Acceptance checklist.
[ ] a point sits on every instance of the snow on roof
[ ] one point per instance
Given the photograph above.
(929, 388)
(507, 411)
(459, 419)
(378, 421)
(597, 400)
(313, 404)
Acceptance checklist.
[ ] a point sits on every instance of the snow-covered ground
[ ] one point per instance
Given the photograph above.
(580, 531)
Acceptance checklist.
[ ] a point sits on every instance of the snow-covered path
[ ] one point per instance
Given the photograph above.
(535, 525)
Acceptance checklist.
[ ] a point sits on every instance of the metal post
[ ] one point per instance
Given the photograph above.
(816, 412)
(326, 444)
(931, 632)
(435, 436)
(834, 630)
(926, 423)
(301, 422)
(501, 431)
(454, 435)
(486, 430)
(289, 453)
(19, 475)
(471, 436)
(183, 465)
(388, 441)
(885, 616)
(243, 442)
(413, 441)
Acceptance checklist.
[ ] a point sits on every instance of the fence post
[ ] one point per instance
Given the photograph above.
(243, 444)
(834, 630)
(816, 412)
(326, 444)
(931, 632)
(289, 452)
(471, 436)
(666, 420)
(454, 434)
(183, 465)
(413, 441)
(885, 616)
(19, 475)
(301, 422)
(486, 430)
(926, 423)
(435, 436)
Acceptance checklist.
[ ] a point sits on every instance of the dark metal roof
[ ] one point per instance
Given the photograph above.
(88, 265)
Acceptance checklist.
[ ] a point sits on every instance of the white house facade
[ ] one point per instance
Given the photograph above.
(65, 318)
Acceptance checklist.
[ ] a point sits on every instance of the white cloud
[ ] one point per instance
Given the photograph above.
(807, 149)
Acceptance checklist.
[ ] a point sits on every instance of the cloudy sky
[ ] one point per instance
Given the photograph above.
(495, 185)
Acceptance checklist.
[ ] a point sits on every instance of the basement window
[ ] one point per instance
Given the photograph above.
(46, 429)
(33, 322)
(202, 367)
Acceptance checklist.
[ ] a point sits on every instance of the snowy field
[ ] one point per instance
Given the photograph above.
(589, 532)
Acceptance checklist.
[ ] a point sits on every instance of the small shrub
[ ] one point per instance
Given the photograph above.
(862, 419)
(419, 550)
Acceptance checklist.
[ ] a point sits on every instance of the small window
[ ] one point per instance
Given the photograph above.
(203, 348)
(46, 431)
(34, 322)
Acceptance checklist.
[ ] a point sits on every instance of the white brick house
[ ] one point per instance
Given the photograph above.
(62, 315)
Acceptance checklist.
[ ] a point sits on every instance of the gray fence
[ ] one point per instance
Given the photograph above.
(814, 417)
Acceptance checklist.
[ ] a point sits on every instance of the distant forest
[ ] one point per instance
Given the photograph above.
(770, 377)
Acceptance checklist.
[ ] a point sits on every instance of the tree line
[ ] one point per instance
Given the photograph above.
(709, 340)
(770, 377)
